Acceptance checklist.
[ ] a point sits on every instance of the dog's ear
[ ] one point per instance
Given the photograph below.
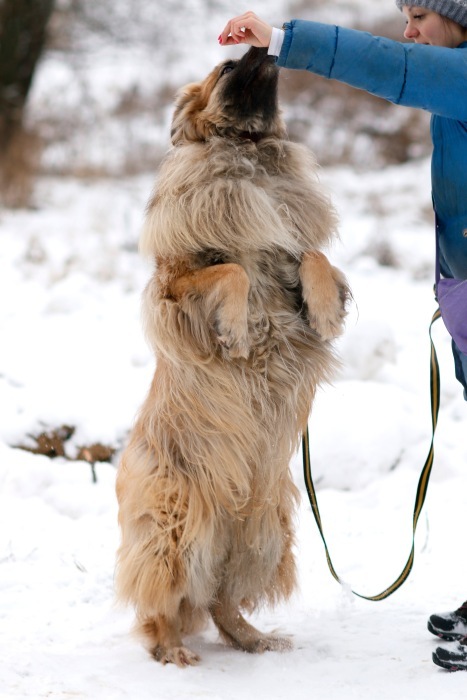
(190, 122)
(184, 106)
(188, 104)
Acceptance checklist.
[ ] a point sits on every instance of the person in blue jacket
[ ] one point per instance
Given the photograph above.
(430, 74)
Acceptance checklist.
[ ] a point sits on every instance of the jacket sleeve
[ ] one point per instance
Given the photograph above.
(429, 77)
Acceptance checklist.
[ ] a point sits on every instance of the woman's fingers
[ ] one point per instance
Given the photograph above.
(246, 29)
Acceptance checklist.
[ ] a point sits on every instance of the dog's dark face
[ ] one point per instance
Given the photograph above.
(238, 99)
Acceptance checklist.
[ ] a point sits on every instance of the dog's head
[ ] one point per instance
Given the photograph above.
(238, 99)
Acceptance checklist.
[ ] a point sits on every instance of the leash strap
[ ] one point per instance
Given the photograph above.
(422, 483)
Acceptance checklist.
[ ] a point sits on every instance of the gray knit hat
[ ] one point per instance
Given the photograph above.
(452, 9)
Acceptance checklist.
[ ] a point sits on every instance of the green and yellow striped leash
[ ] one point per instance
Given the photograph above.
(422, 483)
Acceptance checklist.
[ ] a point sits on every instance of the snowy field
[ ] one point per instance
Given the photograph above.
(72, 352)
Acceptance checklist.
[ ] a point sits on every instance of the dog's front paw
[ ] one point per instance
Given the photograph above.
(236, 344)
(327, 307)
(232, 330)
(326, 293)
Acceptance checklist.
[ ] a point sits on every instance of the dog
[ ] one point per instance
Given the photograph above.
(241, 312)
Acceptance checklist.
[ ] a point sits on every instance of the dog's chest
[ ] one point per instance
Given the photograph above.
(273, 275)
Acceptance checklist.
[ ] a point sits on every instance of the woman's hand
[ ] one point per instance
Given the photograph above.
(246, 29)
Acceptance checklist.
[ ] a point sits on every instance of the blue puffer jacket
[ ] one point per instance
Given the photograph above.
(414, 75)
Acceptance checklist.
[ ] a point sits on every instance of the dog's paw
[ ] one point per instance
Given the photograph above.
(180, 656)
(235, 347)
(234, 338)
(271, 643)
(327, 316)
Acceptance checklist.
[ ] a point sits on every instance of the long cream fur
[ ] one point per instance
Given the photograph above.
(241, 310)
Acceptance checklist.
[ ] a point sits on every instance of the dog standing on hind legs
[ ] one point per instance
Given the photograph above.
(241, 311)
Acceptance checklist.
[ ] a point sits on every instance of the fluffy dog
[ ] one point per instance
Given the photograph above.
(240, 311)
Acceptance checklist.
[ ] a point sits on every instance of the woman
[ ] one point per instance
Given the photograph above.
(431, 75)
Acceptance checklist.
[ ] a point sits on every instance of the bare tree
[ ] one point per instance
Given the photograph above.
(23, 26)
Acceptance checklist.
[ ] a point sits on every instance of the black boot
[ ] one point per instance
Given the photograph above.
(451, 625)
(453, 658)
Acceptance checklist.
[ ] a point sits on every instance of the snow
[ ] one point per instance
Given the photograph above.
(72, 352)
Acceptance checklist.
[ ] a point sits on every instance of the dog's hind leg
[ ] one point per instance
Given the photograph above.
(153, 568)
(238, 633)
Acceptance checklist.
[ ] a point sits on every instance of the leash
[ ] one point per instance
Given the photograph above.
(422, 483)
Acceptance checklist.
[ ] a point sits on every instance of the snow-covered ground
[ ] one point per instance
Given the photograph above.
(72, 352)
